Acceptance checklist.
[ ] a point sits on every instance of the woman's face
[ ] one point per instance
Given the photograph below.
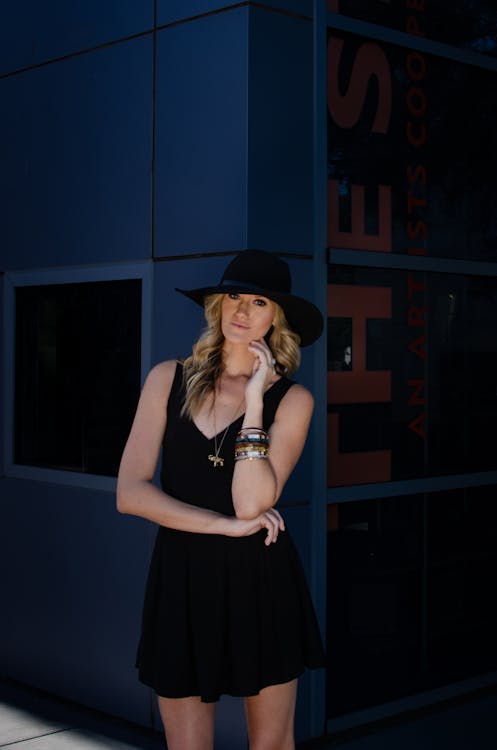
(246, 317)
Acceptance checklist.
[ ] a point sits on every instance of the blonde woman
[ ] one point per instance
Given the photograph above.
(227, 609)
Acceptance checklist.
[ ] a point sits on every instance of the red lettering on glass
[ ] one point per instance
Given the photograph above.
(414, 201)
(416, 4)
(369, 62)
(416, 316)
(355, 467)
(416, 101)
(413, 27)
(417, 137)
(414, 286)
(416, 66)
(417, 425)
(416, 399)
(417, 172)
(417, 347)
(416, 228)
(357, 238)
(359, 385)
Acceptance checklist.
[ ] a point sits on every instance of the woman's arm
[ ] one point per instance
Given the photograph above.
(257, 484)
(137, 495)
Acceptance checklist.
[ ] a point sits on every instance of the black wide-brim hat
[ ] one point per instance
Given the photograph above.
(260, 272)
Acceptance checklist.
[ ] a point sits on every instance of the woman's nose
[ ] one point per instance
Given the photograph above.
(243, 307)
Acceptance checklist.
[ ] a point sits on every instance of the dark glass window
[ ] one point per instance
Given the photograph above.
(470, 24)
(412, 150)
(410, 607)
(420, 396)
(77, 374)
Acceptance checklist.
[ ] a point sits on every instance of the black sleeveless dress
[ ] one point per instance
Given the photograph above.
(221, 615)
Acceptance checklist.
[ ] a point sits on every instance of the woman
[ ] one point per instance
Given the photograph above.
(226, 608)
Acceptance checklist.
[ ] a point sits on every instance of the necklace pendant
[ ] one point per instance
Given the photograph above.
(216, 460)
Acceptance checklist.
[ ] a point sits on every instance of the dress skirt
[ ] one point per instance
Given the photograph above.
(225, 615)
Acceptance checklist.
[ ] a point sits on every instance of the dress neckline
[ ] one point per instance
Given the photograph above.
(228, 427)
(225, 429)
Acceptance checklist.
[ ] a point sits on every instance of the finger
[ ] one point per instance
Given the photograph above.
(262, 349)
(259, 359)
(271, 537)
(266, 524)
(273, 531)
(279, 518)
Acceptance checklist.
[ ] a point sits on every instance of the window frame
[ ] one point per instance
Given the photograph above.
(14, 280)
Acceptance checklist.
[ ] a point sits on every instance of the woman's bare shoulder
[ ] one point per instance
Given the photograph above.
(160, 378)
(297, 403)
(298, 396)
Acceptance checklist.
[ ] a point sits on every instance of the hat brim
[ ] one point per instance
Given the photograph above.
(303, 316)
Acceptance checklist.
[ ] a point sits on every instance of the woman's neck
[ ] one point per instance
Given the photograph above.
(237, 361)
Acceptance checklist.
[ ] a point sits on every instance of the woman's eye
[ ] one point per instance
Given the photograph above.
(260, 302)
(233, 295)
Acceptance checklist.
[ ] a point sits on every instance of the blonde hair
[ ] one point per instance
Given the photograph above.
(204, 366)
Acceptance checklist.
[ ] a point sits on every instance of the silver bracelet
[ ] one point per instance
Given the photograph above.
(250, 455)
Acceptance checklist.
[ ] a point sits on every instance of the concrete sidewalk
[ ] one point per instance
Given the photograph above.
(32, 720)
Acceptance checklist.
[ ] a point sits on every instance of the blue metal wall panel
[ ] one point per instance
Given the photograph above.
(280, 191)
(201, 135)
(170, 11)
(298, 520)
(299, 7)
(177, 320)
(33, 32)
(73, 595)
(2, 373)
(76, 164)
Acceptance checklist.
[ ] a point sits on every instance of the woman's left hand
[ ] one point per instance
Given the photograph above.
(271, 520)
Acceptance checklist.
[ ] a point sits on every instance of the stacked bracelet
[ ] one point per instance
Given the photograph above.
(251, 442)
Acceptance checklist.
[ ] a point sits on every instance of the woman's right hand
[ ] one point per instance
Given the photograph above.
(270, 520)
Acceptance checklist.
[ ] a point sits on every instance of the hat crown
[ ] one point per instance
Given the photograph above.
(260, 270)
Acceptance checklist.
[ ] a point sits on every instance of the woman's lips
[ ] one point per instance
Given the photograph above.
(239, 325)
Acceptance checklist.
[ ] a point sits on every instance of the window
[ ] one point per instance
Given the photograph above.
(468, 25)
(409, 607)
(418, 398)
(412, 351)
(411, 160)
(77, 373)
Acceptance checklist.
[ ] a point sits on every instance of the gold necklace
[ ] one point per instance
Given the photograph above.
(216, 459)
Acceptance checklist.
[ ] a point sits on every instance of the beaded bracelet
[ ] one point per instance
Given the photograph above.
(252, 445)
(247, 440)
(258, 451)
(251, 442)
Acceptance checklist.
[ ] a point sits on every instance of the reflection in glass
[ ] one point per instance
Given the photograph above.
(421, 391)
(471, 24)
(410, 607)
(412, 151)
(340, 344)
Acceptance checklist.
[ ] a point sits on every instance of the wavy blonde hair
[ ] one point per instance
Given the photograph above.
(204, 366)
